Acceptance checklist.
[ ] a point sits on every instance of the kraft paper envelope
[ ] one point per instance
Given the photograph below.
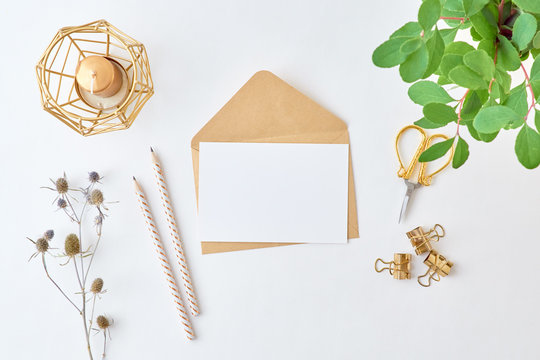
(268, 110)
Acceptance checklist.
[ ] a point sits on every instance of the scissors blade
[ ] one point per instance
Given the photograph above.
(410, 189)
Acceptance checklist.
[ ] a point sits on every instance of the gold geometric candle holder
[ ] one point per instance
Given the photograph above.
(60, 94)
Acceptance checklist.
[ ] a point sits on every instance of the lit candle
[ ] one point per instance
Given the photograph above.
(99, 76)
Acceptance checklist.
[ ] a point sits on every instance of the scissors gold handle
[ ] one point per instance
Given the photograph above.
(407, 172)
(425, 142)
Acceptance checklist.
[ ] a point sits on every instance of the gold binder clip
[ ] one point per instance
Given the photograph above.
(400, 268)
(421, 241)
(437, 266)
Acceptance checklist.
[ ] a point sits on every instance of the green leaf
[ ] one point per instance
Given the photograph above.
(387, 55)
(471, 7)
(449, 62)
(473, 132)
(429, 13)
(416, 65)
(425, 92)
(439, 113)
(536, 41)
(528, 147)
(436, 151)
(409, 30)
(473, 103)
(517, 101)
(535, 70)
(463, 76)
(461, 154)
(503, 79)
(493, 118)
(537, 120)
(435, 46)
(411, 45)
(454, 5)
(488, 137)
(488, 46)
(481, 24)
(528, 5)
(481, 63)
(459, 48)
(508, 55)
(448, 35)
(426, 124)
(524, 30)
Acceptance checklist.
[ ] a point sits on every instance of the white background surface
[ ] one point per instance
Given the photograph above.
(296, 302)
(273, 192)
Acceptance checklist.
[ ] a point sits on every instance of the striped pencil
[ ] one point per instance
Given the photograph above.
(175, 236)
(171, 283)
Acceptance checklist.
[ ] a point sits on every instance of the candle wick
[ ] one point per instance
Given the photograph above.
(92, 82)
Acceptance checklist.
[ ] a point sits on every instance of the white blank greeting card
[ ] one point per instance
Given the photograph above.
(272, 192)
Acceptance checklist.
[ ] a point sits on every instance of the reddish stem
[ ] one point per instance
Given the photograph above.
(530, 89)
(453, 18)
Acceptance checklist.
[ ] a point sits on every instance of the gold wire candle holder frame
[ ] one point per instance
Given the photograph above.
(56, 77)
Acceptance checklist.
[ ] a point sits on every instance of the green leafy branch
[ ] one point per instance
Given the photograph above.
(504, 34)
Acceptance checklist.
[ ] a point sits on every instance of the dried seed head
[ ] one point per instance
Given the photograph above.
(96, 197)
(98, 220)
(49, 234)
(42, 245)
(93, 177)
(62, 204)
(62, 185)
(97, 286)
(72, 246)
(103, 322)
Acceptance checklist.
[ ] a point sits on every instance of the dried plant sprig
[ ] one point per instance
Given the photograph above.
(94, 177)
(73, 248)
(96, 197)
(97, 286)
(48, 235)
(104, 323)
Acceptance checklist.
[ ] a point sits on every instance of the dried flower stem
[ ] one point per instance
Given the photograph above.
(104, 344)
(55, 284)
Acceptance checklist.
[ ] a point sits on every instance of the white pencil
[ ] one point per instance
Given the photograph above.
(175, 236)
(171, 283)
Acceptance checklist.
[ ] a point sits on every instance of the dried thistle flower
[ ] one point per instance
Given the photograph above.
(42, 245)
(103, 322)
(49, 234)
(62, 204)
(93, 176)
(72, 246)
(97, 286)
(98, 220)
(96, 197)
(61, 185)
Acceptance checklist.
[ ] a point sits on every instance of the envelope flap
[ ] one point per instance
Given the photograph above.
(266, 108)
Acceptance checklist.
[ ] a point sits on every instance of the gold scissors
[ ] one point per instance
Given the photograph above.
(407, 172)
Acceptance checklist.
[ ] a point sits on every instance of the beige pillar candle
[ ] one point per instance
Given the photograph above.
(99, 75)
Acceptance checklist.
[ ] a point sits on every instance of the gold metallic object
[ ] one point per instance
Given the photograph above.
(425, 142)
(421, 241)
(406, 171)
(437, 266)
(61, 95)
(400, 268)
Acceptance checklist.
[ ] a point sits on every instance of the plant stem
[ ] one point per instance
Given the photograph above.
(55, 284)
(459, 110)
(453, 18)
(92, 257)
(533, 103)
(104, 343)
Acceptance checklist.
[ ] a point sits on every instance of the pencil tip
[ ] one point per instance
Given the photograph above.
(152, 150)
(134, 178)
